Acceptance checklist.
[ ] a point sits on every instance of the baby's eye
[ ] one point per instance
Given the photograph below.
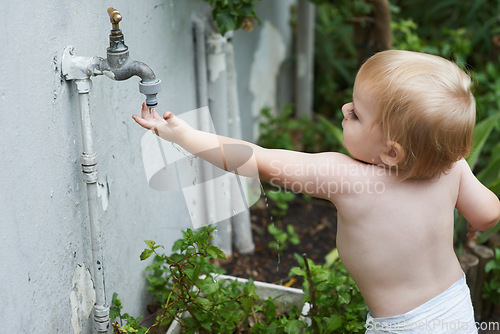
(353, 115)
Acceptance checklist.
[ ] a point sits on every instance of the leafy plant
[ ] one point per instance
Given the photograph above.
(131, 325)
(233, 14)
(284, 131)
(282, 237)
(276, 131)
(479, 18)
(492, 286)
(281, 200)
(336, 54)
(183, 284)
(204, 305)
(336, 303)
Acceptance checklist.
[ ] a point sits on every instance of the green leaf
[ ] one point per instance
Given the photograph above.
(177, 245)
(225, 22)
(294, 326)
(207, 285)
(334, 130)
(331, 257)
(491, 173)
(146, 254)
(491, 265)
(149, 243)
(116, 307)
(215, 252)
(481, 134)
(297, 271)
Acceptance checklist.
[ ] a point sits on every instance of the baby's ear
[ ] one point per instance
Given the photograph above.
(393, 155)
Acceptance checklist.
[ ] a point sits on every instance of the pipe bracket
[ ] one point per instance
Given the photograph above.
(101, 318)
(89, 177)
(88, 159)
(89, 167)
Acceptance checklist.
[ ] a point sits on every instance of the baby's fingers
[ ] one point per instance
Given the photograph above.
(145, 112)
(155, 114)
(142, 122)
(167, 115)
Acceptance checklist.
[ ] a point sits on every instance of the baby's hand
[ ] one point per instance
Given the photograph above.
(471, 231)
(169, 127)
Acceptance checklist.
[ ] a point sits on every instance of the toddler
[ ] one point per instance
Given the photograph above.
(408, 128)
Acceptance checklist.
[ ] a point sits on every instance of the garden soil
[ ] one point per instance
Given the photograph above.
(314, 220)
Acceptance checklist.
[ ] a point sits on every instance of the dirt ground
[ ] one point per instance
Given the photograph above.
(315, 221)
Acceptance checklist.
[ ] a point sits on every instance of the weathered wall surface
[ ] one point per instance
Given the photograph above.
(266, 66)
(45, 253)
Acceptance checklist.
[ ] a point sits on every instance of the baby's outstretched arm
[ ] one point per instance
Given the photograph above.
(276, 166)
(202, 144)
(476, 203)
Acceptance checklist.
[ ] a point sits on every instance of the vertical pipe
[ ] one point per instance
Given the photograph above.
(217, 95)
(89, 175)
(305, 58)
(202, 97)
(242, 229)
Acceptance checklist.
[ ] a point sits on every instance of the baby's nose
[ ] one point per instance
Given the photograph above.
(345, 109)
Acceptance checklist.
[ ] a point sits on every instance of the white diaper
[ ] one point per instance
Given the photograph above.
(449, 312)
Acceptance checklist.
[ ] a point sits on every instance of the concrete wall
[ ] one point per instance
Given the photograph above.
(266, 63)
(44, 244)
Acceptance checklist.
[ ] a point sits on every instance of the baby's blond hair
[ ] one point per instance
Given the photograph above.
(425, 104)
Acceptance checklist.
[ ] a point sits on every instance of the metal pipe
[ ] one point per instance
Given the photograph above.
(242, 229)
(305, 58)
(217, 92)
(202, 97)
(89, 175)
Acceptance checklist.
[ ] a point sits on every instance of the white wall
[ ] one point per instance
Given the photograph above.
(43, 207)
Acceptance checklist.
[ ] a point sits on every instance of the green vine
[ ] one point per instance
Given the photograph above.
(233, 14)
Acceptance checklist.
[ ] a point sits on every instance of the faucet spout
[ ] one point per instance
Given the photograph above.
(119, 66)
(123, 67)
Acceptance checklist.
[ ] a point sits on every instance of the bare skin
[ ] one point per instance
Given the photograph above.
(394, 237)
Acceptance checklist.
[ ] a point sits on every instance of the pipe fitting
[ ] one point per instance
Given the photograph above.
(150, 89)
(83, 86)
(101, 318)
(89, 167)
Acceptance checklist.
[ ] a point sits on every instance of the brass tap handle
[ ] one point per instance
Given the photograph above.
(115, 17)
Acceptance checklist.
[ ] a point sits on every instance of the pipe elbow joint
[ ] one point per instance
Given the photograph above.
(149, 85)
(121, 67)
(142, 70)
(124, 68)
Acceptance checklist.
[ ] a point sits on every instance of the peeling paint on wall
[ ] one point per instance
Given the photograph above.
(103, 193)
(82, 298)
(216, 56)
(267, 60)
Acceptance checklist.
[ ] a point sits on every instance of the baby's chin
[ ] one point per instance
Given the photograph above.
(356, 157)
(369, 161)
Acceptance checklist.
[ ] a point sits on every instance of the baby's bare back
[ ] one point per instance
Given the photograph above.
(396, 240)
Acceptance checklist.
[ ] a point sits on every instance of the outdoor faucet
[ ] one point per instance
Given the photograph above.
(77, 69)
(117, 65)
